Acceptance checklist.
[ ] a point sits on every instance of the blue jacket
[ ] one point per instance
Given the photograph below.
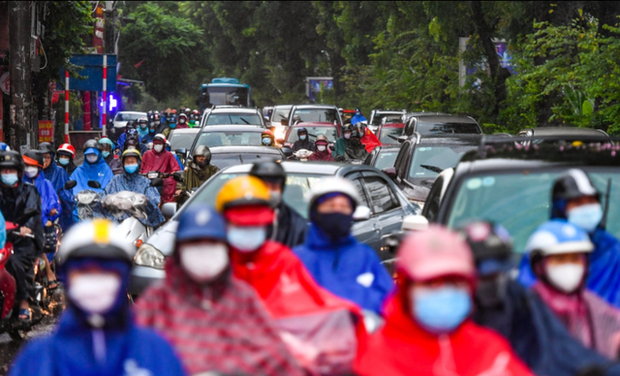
(148, 138)
(70, 351)
(49, 198)
(58, 177)
(347, 268)
(138, 184)
(356, 119)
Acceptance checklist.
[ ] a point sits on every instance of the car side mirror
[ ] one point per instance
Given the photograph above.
(390, 172)
(287, 152)
(362, 213)
(284, 122)
(70, 184)
(414, 223)
(169, 209)
(401, 139)
(94, 184)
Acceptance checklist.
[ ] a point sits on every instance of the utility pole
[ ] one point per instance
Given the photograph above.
(19, 46)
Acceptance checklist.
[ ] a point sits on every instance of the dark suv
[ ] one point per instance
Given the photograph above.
(437, 123)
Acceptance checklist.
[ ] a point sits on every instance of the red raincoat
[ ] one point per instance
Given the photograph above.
(402, 348)
(223, 327)
(322, 330)
(325, 156)
(163, 162)
(370, 141)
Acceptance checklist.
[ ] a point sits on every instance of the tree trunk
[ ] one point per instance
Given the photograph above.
(21, 100)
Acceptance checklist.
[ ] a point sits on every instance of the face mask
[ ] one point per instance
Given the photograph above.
(440, 310)
(151, 130)
(567, 277)
(204, 262)
(302, 137)
(92, 158)
(266, 140)
(172, 125)
(335, 225)
(95, 293)
(347, 136)
(202, 164)
(31, 171)
(182, 121)
(490, 293)
(142, 126)
(586, 217)
(246, 239)
(158, 148)
(105, 154)
(9, 179)
(321, 147)
(63, 161)
(131, 168)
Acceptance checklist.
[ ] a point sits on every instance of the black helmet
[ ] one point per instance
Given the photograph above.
(271, 171)
(355, 134)
(490, 244)
(92, 143)
(301, 130)
(131, 124)
(33, 157)
(572, 184)
(204, 151)
(11, 159)
(347, 128)
(46, 147)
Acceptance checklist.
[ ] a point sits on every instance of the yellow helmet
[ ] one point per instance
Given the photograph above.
(131, 153)
(245, 200)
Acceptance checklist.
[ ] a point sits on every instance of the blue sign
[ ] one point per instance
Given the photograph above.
(91, 74)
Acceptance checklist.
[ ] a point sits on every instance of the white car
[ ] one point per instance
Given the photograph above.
(121, 118)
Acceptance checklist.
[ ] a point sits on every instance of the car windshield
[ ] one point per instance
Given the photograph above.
(181, 140)
(232, 118)
(386, 159)
(126, 116)
(429, 161)
(389, 118)
(218, 95)
(520, 201)
(280, 113)
(330, 132)
(227, 138)
(389, 135)
(297, 187)
(221, 160)
(451, 128)
(324, 115)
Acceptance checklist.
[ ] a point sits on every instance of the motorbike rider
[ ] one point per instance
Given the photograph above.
(358, 116)
(369, 140)
(66, 154)
(163, 161)
(193, 117)
(321, 152)
(153, 128)
(96, 334)
(16, 199)
(198, 171)
(289, 228)
(355, 150)
(129, 128)
(172, 124)
(302, 309)
(143, 127)
(107, 152)
(94, 168)
(303, 142)
(268, 138)
(58, 177)
(199, 284)
(183, 121)
(575, 198)
(559, 253)
(343, 142)
(504, 305)
(427, 317)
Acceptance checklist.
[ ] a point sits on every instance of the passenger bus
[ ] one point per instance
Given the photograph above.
(224, 91)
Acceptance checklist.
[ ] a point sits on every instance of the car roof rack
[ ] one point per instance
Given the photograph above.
(505, 138)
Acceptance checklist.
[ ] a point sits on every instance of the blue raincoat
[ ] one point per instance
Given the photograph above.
(98, 171)
(138, 184)
(2, 231)
(58, 177)
(49, 198)
(347, 268)
(357, 118)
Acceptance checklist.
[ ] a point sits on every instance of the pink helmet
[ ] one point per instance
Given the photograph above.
(434, 253)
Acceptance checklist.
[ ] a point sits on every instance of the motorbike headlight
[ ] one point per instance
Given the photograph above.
(148, 255)
(86, 197)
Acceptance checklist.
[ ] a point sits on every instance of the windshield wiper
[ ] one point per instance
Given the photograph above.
(393, 137)
(245, 121)
(432, 168)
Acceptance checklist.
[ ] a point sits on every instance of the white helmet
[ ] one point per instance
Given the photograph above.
(98, 238)
(334, 185)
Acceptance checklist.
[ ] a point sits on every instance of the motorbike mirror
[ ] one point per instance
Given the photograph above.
(70, 184)
(181, 152)
(332, 147)
(287, 152)
(94, 184)
(169, 209)
(362, 213)
(390, 171)
(157, 182)
(178, 176)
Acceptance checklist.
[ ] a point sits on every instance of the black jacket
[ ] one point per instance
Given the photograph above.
(355, 151)
(13, 203)
(305, 144)
(291, 227)
(70, 167)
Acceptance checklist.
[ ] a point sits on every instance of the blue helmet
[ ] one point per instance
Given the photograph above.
(4, 146)
(201, 222)
(558, 236)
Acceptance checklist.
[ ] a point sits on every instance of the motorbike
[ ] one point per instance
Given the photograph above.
(302, 155)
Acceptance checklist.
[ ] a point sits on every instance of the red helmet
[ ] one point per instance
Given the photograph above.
(67, 149)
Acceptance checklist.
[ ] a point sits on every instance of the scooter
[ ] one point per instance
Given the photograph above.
(132, 207)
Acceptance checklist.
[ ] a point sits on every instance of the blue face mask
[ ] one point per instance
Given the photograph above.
(266, 141)
(9, 179)
(131, 168)
(440, 310)
(172, 125)
(587, 217)
(151, 130)
(246, 239)
(105, 154)
(302, 137)
(63, 161)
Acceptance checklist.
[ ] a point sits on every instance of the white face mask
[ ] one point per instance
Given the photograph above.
(567, 277)
(92, 158)
(321, 147)
(246, 239)
(158, 148)
(204, 262)
(31, 171)
(95, 293)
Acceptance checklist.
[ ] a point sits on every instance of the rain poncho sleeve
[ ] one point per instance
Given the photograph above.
(58, 177)
(137, 184)
(340, 147)
(49, 198)
(163, 162)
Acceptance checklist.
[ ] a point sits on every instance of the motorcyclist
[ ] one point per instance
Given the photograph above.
(302, 309)
(427, 317)
(176, 156)
(58, 177)
(96, 334)
(161, 160)
(131, 126)
(303, 142)
(355, 150)
(172, 123)
(94, 168)
(289, 228)
(336, 260)
(343, 142)
(504, 305)
(16, 199)
(153, 128)
(66, 154)
(321, 152)
(198, 171)
(576, 199)
(358, 117)
(559, 253)
(268, 138)
(143, 127)
(369, 140)
(183, 121)
(107, 152)
(193, 117)
(199, 284)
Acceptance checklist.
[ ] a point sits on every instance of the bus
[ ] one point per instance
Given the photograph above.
(224, 91)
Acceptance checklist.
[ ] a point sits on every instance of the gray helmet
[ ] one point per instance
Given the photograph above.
(203, 150)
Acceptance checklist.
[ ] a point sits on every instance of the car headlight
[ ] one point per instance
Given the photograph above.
(419, 203)
(148, 255)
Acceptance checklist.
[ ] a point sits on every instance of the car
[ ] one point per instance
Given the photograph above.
(122, 117)
(388, 133)
(561, 134)
(439, 123)
(313, 113)
(378, 117)
(331, 131)
(182, 138)
(225, 115)
(388, 206)
(228, 135)
(512, 186)
(382, 157)
(422, 158)
(224, 156)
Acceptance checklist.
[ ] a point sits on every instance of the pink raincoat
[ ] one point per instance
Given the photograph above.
(163, 162)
